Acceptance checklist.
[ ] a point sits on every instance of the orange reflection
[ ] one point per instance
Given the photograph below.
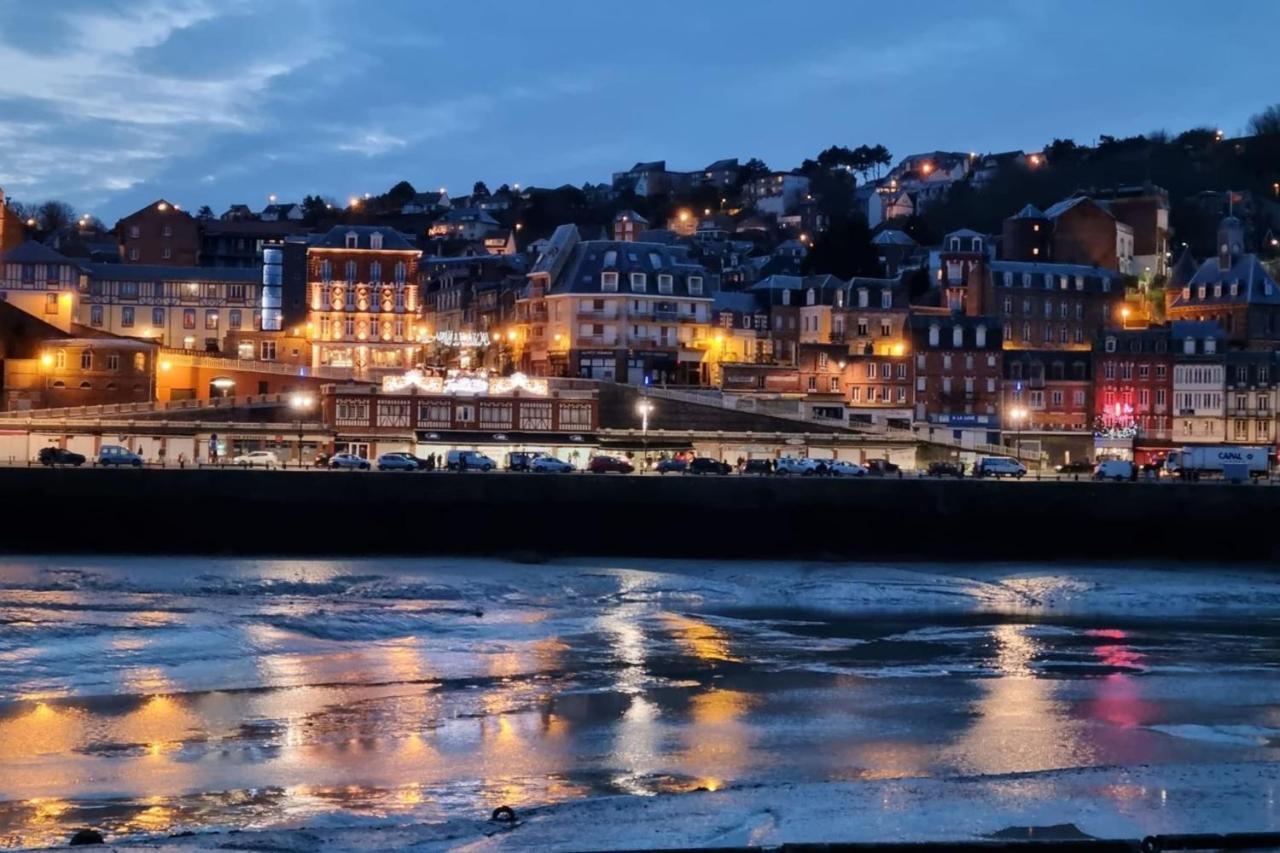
(700, 639)
(45, 730)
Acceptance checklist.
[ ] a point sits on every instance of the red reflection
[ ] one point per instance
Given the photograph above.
(1118, 700)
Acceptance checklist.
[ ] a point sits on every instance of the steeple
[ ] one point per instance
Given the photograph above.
(1230, 242)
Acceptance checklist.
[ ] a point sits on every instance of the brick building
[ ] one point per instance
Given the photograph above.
(1077, 230)
(1053, 391)
(1133, 393)
(363, 299)
(1233, 290)
(159, 235)
(957, 368)
(81, 372)
(1047, 306)
(12, 228)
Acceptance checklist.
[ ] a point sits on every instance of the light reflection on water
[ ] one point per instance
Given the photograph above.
(285, 692)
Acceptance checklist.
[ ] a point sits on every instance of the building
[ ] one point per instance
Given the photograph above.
(958, 364)
(777, 192)
(1199, 382)
(652, 179)
(628, 224)
(896, 249)
(239, 242)
(73, 371)
(1251, 387)
(41, 282)
(468, 223)
(1145, 209)
(722, 173)
(191, 308)
(1048, 402)
(426, 414)
(961, 253)
(12, 228)
(282, 212)
(363, 284)
(1046, 306)
(606, 309)
(1233, 290)
(159, 235)
(1077, 230)
(1133, 394)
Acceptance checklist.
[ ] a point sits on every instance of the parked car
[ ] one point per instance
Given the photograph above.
(257, 459)
(840, 468)
(881, 468)
(791, 465)
(348, 461)
(543, 464)
(605, 464)
(59, 456)
(671, 466)
(1079, 466)
(522, 460)
(1114, 469)
(999, 466)
(114, 454)
(396, 462)
(469, 460)
(707, 465)
(945, 469)
(418, 461)
(758, 466)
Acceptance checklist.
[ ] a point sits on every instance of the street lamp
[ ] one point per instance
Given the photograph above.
(1017, 414)
(644, 408)
(300, 403)
(1124, 317)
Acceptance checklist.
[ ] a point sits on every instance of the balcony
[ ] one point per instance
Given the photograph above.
(591, 314)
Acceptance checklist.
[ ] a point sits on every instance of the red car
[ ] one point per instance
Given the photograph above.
(605, 464)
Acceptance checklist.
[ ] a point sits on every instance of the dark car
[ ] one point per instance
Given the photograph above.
(520, 460)
(707, 465)
(758, 466)
(881, 468)
(60, 456)
(605, 464)
(946, 469)
(671, 466)
(1080, 466)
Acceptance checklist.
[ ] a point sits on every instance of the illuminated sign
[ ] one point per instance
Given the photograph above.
(462, 339)
(465, 383)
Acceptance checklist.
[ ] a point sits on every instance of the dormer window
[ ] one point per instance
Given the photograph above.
(664, 282)
(375, 240)
(1202, 292)
(609, 281)
(955, 244)
(1189, 346)
(1008, 279)
(786, 297)
(1026, 279)
(1217, 291)
(1186, 293)
(957, 337)
(862, 297)
(839, 298)
(352, 240)
(934, 333)
(695, 285)
(1110, 345)
(1235, 288)
(1210, 346)
(886, 299)
(809, 297)
(638, 283)
(980, 336)
(611, 258)
(1048, 281)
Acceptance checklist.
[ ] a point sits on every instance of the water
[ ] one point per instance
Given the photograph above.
(152, 696)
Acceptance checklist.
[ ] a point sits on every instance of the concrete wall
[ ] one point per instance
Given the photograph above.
(202, 512)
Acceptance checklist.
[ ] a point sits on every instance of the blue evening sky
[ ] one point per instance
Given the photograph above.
(109, 105)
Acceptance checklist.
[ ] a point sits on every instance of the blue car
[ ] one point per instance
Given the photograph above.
(114, 454)
(397, 462)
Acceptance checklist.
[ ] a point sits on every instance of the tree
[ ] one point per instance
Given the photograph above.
(399, 195)
(55, 215)
(844, 250)
(753, 168)
(479, 190)
(1061, 151)
(205, 212)
(1267, 122)
(314, 209)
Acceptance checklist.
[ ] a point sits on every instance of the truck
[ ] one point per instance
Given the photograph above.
(1217, 459)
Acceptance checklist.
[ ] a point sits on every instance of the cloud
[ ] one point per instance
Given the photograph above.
(373, 143)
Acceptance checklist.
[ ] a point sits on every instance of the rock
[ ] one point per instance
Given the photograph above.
(86, 836)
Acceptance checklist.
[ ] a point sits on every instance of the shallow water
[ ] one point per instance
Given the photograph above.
(151, 696)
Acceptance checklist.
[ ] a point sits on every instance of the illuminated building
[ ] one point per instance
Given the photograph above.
(1076, 230)
(160, 234)
(605, 309)
(1133, 393)
(1199, 382)
(41, 282)
(363, 300)
(957, 362)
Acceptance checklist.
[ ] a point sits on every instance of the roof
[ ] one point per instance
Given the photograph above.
(1054, 269)
(1253, 283)
(336, 238)
(32, 252)
(581, 271)
(1183, 269)
(630, 215)
(741, 302)
(892, 237)
(779, 282)
(1029, 212)
(142, 272)
(652, 166)
(1195, 329)
(965, 232)
(467, 214)
(722, 165)
(1056, 210)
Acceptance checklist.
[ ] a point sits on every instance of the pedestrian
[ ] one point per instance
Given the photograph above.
(431, 462)
(741, 462)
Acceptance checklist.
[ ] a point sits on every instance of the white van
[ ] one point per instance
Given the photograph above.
(468, 460)
(999, 466)
(1114, 469)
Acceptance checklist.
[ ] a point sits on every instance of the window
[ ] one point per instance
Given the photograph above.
(855, 394)
(835, 385)
(95, 315)
(957, 336)
(233, 318)
(188, 318)
(871, 370)
(822, 361)
(1144, 371)
(113, 361)
(638, 282)
(51, 303)
(695, 285)
(1037, 399)
(1160, 397)
(664, 283)
(1056, 399)
(886, 298)
(86, 360)
(609, 281)
(211, 319)
(786, 297)
(375, 240)
(134, 254)
(126, 316)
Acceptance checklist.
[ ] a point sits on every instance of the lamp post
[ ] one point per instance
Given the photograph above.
(1124, 317)
(1017, 413)
(300, 403)
(644, 408)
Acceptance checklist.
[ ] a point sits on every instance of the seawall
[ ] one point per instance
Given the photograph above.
(530, 516)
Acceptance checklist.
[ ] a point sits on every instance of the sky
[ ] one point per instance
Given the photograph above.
(111, 105)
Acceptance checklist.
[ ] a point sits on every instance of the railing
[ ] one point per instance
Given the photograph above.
(590, 314)
(83, 412)
(189, 358)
